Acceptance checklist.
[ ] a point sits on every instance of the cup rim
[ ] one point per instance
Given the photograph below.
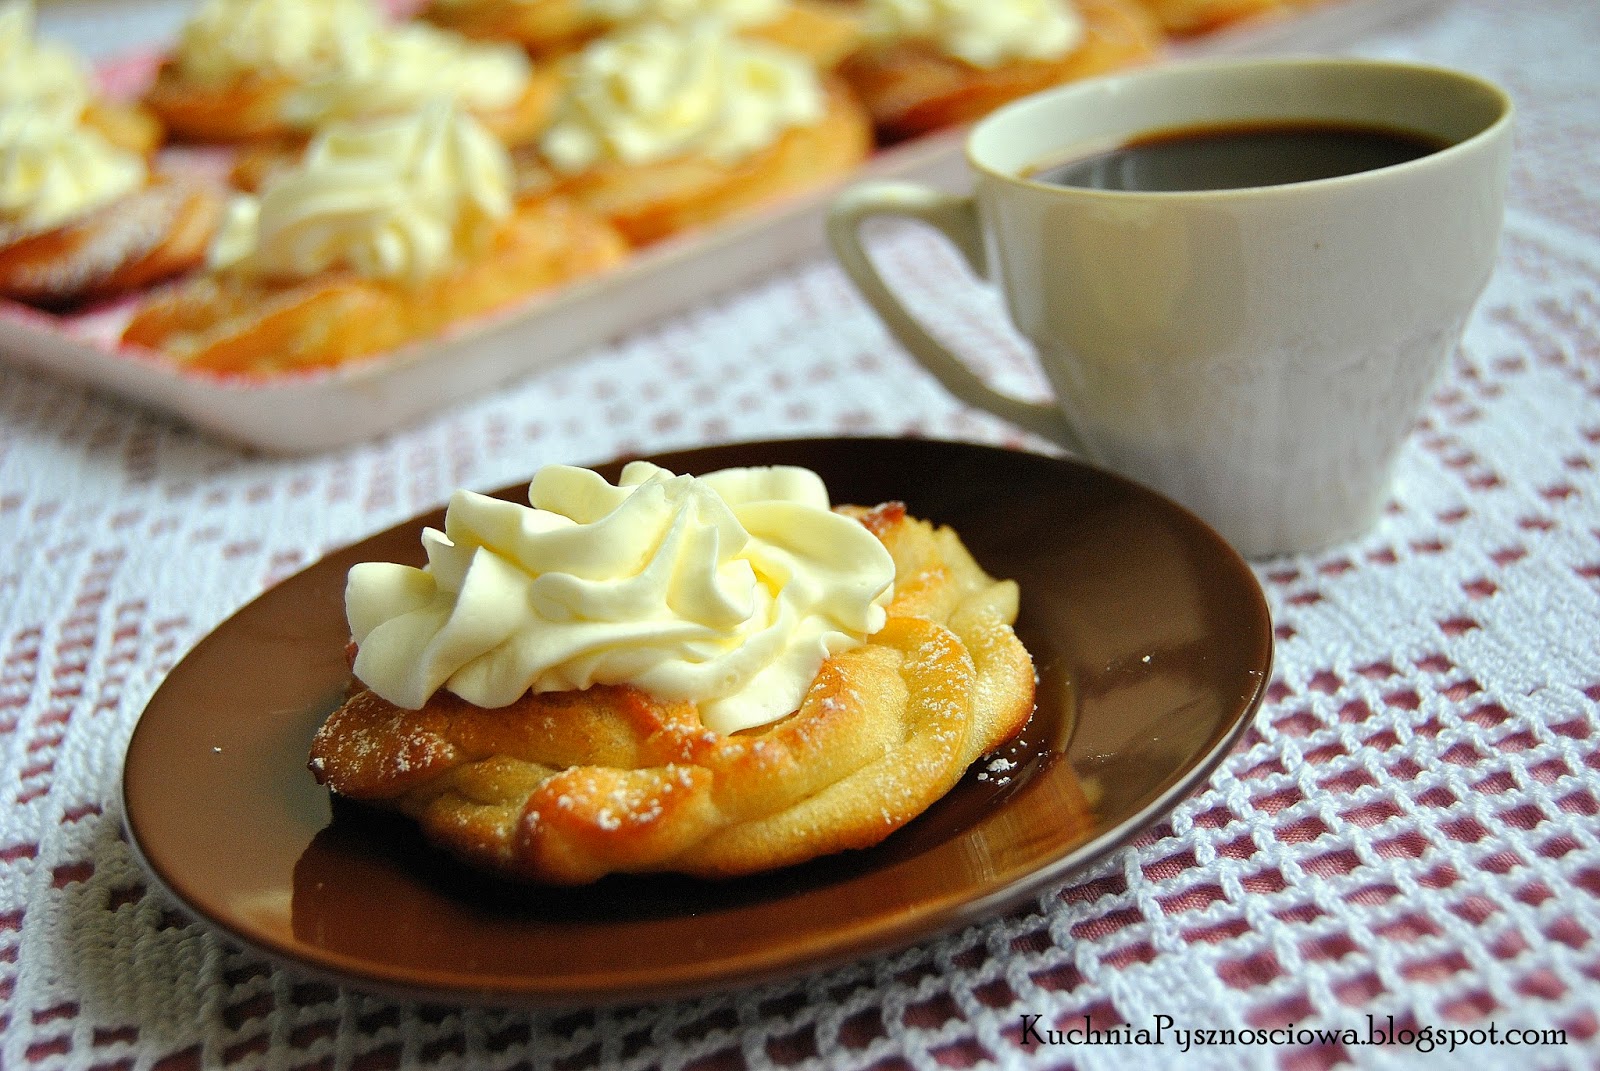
(1041, 98)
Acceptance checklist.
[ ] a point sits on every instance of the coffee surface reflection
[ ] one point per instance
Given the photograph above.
(1239, 156)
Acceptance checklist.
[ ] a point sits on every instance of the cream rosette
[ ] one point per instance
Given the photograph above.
(402, 68)
(297, 39)
(345, 59)
(38, 75)
(659, 91)
(984, 33)
(400, 199)
(729, 590)
(53, 170)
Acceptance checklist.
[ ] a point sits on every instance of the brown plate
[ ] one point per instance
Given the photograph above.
(1152, 641)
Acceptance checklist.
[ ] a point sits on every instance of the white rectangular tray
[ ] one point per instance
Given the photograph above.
(323, 409)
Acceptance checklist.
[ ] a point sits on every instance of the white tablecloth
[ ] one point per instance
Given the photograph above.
(1408, 831)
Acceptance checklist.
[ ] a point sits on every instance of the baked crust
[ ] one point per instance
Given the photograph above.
(234, 323)
(565, 787)
(648, 202)
(155, 232)
(250, 110)
(129, 125)
(1187, 17)
(551, 26)
(825, 31)
(911, 89)
(259, 156)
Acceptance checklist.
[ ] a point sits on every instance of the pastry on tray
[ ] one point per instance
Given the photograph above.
(267, 71)
(111, 229)
(662, 128)
(930, 64)
(1183, 18)
(386, 232)
(713, 676)
(49, 79)
(824, 30)
(83, 215)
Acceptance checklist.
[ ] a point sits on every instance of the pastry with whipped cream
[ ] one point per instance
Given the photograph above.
(83, 215)
(823, 30)
(930, 64)
(387, 231)
(663, 127)
(711, 675)
(278, 70)
(51, 80)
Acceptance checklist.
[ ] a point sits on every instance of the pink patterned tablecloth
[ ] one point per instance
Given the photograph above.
(1407, 837)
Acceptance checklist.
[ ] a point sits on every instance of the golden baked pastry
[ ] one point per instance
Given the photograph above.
(252, 110)
(911, 86)
(151, 233)
(46, 78)
(824, 30)
(273, 71)
(1186, 18)
(648, 202)
(387, 232)
(543, 27)
(567, 786)
(234, 323)
(728, 125)
(126, 124)
(81, 215)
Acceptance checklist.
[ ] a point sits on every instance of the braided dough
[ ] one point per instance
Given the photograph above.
(250, 109)
(823, 30)
(1187, 17)
(237, 324)
(648, 202)
(565, 787)
(911, 88)
(151, 234)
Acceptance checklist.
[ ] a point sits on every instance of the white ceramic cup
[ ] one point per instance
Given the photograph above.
(1258, 354)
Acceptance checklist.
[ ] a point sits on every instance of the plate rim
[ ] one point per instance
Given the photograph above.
(925, 924)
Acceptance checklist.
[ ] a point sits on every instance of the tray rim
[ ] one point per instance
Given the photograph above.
(329, 408)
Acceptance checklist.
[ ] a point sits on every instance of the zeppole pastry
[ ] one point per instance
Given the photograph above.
(82, 214)
(1187, 17)
(386, 232)
(50, 80)
(713, 676)
(277, 70)
(81, 220)
(929, 64)
(824, 30)
(662, 128)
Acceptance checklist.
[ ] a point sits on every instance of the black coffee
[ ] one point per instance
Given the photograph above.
(1238, 156)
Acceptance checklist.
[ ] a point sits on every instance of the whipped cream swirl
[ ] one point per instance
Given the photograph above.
(52, 170)
(37, 74)
(403, 199)
(984, 33)
(729, 590)
(658, 91)
(345, 60)
(405, 66)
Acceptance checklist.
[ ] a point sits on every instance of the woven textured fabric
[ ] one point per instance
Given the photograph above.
(1407, 837)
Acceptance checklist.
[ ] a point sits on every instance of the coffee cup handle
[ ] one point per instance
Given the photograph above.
(957, 219)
